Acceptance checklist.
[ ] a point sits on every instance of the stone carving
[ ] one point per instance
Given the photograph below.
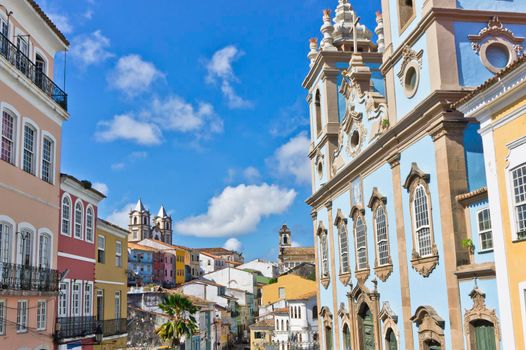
(409, 56)
(479, 311)
(430, 326)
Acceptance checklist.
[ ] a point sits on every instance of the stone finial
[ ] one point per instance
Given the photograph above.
(327, 43)
(380, 32)
(313, 53)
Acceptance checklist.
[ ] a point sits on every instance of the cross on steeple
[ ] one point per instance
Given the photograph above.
(355, 21)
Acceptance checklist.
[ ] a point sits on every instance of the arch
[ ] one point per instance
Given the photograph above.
(343, 244)
(365, 316)
(90, 223)
(382, 262)
(78, 216)
(324, 249)
(7, 233)
(391, 333)
(360, 241)
(25, 244)
(430, 327)
(480, 318)
(317, 112)
(346, 335)
(66, 205)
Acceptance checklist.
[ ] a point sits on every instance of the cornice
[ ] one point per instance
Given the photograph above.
(402, 134)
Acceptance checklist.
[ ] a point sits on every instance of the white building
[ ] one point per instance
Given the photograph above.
(209, 291)
(209, 263)
(234, 278)
(267, 268)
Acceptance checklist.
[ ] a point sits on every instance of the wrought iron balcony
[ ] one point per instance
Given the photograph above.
(29, 278)
(17, 58)
(75, 327)
(114, 327)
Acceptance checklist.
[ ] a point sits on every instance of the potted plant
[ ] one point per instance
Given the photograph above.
(469, 245)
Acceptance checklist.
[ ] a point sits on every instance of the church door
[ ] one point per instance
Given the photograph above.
(391, 340)
(366, 328)
(484, 335)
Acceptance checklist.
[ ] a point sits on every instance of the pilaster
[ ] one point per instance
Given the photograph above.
(333, 253)
(394, 161)
(314, 216)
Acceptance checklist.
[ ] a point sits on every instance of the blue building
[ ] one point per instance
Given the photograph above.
(403, 237)
(140, 264)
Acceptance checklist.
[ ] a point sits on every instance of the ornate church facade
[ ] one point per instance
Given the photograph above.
(402, 226)
(141, 227)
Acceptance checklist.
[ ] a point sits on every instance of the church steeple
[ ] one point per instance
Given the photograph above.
(285, 239)
(139, 223)
(163, 222)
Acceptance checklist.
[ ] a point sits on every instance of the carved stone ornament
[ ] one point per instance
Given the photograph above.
(389, 320)
(326, 316)
(415, 172)
(341, 223)
(383, 272)
(359, 297)
(479, 311)
(319, 163)
(409, 56)
(430, 326)
(424, 266)
(497, 35)
(322, 233)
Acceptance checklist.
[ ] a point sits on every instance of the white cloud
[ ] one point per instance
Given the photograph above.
(174, 113)
(90, 49)
(290, 119)
(130, 158)
(231, 174)
(220, 68)
(101, 187)
(237, 210)
(61, 21)
(291, 159)
(295, 244)
(251, 174)
(121, 217)
(88, 14)
(132, 75)
(233, 244)
(124, 127)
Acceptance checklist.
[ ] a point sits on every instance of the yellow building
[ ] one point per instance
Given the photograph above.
(261, 334)
(287, 287)
(181, 256)
(111, 284)
(500, 107)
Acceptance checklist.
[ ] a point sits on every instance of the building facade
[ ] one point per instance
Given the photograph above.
(145, 265)
(111, 285)
(398, 176)
(172, 260)
(500, 107)
(289, 256)
(79, 202)
(142, 227)
(32, 109)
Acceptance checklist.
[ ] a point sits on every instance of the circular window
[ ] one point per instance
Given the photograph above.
(411, 81)
(355, 139)
(320, 169)
(498, 55)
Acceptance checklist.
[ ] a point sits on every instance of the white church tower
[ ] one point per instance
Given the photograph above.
(139, 223)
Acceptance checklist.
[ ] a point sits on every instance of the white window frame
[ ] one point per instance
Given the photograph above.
(386, 239)
(36, 146)
(3, 313)
(75, 223)
(428, 226)
(41, 234)
(118, 255)
(17, 120)
(480, 233)
(118, 305)
(343, 232)
(41, 315)
(324, 245)
(516, 157)
(103, 248)
(92, 228)
(8, 223)
(48, 136)
(88, 299)
(22, 318)
(70, 220)
(22, 228)
(77, 312)
(363, 248)
(65, 283)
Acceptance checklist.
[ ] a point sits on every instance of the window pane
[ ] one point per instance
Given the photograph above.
(423, 230)
(8, 137)
(47, 160)
(5, 243)
(78, 220)
(361, 248)
(344, 247)
(381, 236)
(29, 149)
(66, 209)
(519, 195)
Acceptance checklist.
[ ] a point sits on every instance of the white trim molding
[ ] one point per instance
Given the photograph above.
(76, 257)
(110, 282)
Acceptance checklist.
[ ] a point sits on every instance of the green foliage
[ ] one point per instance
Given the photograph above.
(385, 123)
(86, 184)
(468, 244)
(272, 280)
(179, 310)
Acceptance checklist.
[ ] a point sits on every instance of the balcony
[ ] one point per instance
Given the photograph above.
(15, 57)
(75, 327)
(27, 278)
(114, 327)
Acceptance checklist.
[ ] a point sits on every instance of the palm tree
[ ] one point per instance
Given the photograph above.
(181, 321)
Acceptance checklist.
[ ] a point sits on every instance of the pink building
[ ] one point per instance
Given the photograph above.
(76, 262)
(32, 110)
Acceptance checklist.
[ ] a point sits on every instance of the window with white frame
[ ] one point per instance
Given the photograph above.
(5, 242)
(66, 216)
(30, 136)
(361, 243)
(422, 222)
(21, 316)
(44, 251)
(24, 246)
(518, 181)
(88, 297)
(75, 299)
(344, 246)
(89, 224)
(78, 220)
(118, 253)
(48, 147)
(63, 299)
(117, 305)
(324, 255)
(484, 228)
(101, 247)
(41, 315)
(3, 311)
(8, 137)
(381, 235)
(281, 292)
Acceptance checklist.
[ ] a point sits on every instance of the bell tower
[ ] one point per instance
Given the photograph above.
(139, 223)
(285, 239)
(164, 222)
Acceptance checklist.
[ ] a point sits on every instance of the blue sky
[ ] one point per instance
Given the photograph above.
(196, 105)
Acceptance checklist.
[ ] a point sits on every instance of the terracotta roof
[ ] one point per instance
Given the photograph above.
(141, 247)
(210, 255)
(236, 263)
(168, 246)
(268, 323)
(48, 21)
(491, 81)
(216, 251)
(195, 300)
(202, 281)
(307, 295)
(283, 310)
(473, 196)
(299, 250)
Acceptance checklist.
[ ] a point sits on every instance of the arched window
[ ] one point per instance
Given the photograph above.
(66, 216)
(390, 340)
(361, 243)
(6, 233)
(343, 238)
(366, 328)
(422, 223)
(315, 312)
(48, 162)
(317, 112)
(78, 219)
(346, 337)
(8, 151)
(145, 221)
(324, 255)
(44, 251)
(381, 236)
(25, 245)
(89, 224)
(30, 137)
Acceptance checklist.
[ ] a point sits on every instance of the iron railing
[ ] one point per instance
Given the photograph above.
(31, 278)
(114, 327)
(18, 59)
(75, 327)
